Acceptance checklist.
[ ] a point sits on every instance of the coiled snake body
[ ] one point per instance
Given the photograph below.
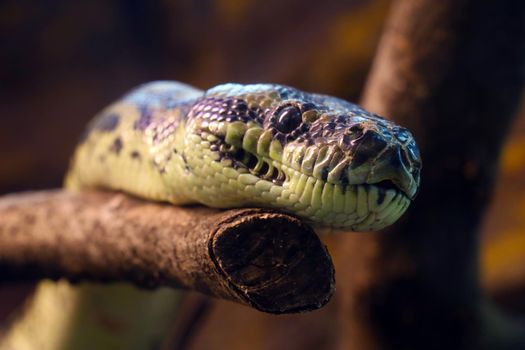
(319, 157)
(322, 158)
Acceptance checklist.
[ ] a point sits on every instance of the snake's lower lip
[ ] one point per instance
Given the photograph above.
(386, 185)
(359, 207)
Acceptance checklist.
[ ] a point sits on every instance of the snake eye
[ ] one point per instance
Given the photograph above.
(288, 119)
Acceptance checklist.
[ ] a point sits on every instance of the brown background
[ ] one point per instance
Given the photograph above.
(61, 62)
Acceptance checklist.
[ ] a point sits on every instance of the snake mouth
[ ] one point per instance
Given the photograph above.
(387, 185)
(359, 207)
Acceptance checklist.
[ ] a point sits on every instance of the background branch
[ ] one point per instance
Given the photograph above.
(265, 259)
(453, 73)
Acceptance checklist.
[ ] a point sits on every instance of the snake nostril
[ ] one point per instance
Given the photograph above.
(356, 131)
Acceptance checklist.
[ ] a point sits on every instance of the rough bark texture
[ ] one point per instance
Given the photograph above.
(452, 72)
(265, 259)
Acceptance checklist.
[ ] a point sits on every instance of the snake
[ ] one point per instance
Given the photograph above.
(321, 158)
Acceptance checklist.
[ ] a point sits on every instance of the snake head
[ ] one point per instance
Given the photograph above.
(322, 158)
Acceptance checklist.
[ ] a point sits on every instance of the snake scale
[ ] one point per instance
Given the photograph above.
(321, 158)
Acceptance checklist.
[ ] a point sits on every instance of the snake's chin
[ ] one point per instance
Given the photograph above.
(359, 207)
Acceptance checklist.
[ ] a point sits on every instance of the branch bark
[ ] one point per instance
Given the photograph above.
(268, 260)
(453, 73)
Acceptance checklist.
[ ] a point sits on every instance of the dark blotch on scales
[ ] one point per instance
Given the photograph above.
(116, 146)
(135, 155)
(107, 122)
(144, 120)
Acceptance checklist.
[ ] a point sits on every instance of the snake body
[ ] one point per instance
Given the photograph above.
(321, 158)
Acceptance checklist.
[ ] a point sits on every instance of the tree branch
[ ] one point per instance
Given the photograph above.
(263, 258)
(453, 73)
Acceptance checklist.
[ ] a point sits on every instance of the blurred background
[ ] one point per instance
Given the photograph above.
(62, 61)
